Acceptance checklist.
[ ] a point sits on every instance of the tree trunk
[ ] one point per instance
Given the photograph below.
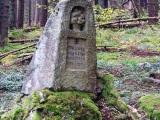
(29, 13)
(136, 8)
(20, 18)
(13, 14)
(33, 6)
(4, 15)
(145, 3)
(1, 6)
(44, 13)
(105, 3)
(37, 13)
(26, 12)
(153, 11)
(96, 2)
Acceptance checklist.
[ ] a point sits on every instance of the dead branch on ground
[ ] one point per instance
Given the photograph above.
(14, 51)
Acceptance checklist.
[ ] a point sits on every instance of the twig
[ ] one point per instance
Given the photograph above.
(28, 58)
(129, 20)
(23, 41)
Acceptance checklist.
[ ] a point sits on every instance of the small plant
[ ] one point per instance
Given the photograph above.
(106, 15)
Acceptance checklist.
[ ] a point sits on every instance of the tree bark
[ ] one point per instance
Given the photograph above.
(153, 10)
(33, 6)
(105, 3)
(29, 13)
(96, 2)
(13, 14)
(44, 13)
(20, 18)
(1, 6)
(136, 8)
(37, 13)
(4, 15)
(145, 2)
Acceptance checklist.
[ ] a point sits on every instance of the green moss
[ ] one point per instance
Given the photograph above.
(122, 105)
(94, 109)
(17, 113)
(110, 94)
(151, 104)
(57, 105)
(108, 56)
(36, 116)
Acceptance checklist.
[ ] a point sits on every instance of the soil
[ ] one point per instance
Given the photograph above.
(142, 53)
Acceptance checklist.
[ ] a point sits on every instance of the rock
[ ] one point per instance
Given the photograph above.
(58, 106)
(65, 56)
(42, 97)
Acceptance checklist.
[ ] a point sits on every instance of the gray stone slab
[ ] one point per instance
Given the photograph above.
(65, 56)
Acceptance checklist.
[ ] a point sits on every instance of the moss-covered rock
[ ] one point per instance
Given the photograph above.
(151, 105)
(49, 105)
(109, 92)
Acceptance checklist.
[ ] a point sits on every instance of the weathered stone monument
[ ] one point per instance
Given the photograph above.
(65, 56)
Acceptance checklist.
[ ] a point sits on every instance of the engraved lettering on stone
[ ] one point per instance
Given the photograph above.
(77, 19)
(76, 54)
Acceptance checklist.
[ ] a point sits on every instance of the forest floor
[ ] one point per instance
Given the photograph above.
(131, 55)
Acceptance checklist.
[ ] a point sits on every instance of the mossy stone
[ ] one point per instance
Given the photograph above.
(69, 105)
(109, 92)
(151, 105)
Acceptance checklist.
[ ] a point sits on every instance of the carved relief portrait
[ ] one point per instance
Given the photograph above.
(77, 21)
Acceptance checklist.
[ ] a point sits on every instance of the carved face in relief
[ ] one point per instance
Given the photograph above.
(77, 19)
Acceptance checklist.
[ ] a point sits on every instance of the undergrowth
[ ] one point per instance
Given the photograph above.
(144, 38)
(23, 34)
(11, 81)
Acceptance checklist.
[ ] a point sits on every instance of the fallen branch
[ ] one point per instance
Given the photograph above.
(25, 55)
(107, 48)
(22, 60)
(23, 41)
(129, 20)
(4, 55)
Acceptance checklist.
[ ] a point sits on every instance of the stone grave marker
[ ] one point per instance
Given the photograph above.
(65, 56)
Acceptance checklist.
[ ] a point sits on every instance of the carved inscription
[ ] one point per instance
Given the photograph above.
(76, 54)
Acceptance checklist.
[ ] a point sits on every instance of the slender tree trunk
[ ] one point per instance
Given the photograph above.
(13, 13)
(145, 2)
(20, 14)
(96, 2)
(26, 12)
(37, 13)
(1, 6)
(136, 8)
(4, 15)
(33, 6)
(105, 3)
(44, 13)
(153, 11)
(29, 13)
